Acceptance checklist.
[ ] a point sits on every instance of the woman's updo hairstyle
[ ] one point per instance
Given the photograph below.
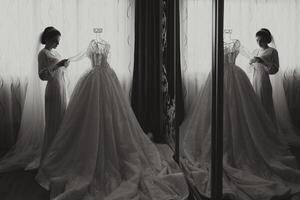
(266, 34)
(49, 33)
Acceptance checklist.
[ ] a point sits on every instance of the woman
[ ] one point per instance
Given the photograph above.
(256, 161)
(100, 150)
(270, 89)
(51, 69)
(265, 62)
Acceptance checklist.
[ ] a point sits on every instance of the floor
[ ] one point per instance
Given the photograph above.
(20, 185)
(296, 152)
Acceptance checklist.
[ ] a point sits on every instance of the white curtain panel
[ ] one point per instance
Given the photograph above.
(245, 18)
(196, 46)
(21, 23)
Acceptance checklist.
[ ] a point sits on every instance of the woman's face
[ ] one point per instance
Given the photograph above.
(261, 41)
(54, 42)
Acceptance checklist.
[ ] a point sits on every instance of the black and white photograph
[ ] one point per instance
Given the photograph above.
(150, 99)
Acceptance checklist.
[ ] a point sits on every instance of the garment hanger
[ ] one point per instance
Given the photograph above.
(228, 44)
(228, 33)
(98, 39)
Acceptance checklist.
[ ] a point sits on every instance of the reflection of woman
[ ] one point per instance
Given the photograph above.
(256, 161)
(50, 70)
(265, 62)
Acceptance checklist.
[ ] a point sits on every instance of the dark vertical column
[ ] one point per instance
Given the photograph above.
(161, 100)
(164, 72)
(217, 100)
(175, 41)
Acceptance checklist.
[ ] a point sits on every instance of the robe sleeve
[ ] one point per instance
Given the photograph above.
(45, 68)
(271, 62)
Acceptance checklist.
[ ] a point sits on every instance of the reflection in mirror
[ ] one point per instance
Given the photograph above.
(196, 64)
(258, 131)
(260, 126)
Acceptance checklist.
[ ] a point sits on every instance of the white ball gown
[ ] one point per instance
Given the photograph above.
(256, 161)
(100, 151)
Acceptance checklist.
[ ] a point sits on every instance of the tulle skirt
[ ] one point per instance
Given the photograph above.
(101, 152)
(256, 161)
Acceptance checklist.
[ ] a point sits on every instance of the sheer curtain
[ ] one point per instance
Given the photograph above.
(245, 18)
(282, 18)
(21, 23)
(22, 20)
(195, 46)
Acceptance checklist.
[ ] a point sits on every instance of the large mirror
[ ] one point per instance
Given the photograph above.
(196, 36)
(260, 88)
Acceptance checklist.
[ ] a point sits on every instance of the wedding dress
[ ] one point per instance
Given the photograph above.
(100, 151)
(256, 161)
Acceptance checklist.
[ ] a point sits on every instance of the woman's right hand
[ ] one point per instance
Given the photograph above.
(251, 61)
(254, 60)
(63, 62)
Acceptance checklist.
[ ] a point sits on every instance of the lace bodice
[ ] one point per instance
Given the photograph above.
(98, 52)
(231, 51)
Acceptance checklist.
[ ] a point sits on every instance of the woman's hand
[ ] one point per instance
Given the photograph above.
(255, 60)
(252, 60)
(67, 63)
(258, 60)
(63, 62)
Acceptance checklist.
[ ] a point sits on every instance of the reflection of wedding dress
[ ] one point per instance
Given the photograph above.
(256, 161)
(100, 151)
